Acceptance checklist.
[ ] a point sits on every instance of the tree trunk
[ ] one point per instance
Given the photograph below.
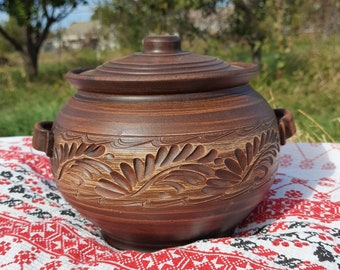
(30, 64)
(256, 55)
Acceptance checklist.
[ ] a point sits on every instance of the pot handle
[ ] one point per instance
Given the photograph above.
(286, 124)
(43, 137)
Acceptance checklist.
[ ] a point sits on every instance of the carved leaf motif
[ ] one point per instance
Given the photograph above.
(210, 157)
(119, 180)
(150, 165)
(94, 150)
(65, 153)
(139, 177)
(139, 168)
(256, 146)
(249, 153)
(252, 162)
(261, 169)
(241, 158)
(161, 155)
(226, 174)
(193, 173)
(170, 155)
(233, 166)
(186, 151)
(79, 170)
(198, 153)
(109, 189)
(129, 174)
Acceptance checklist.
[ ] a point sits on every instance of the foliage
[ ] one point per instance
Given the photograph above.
(133, 20)
(298, 42)
(35, 19)
(259, 21)
(271, 25)
(308, 86)
(11, 27)
(320, 16)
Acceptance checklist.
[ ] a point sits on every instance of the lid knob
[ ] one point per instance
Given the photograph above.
(162, 44)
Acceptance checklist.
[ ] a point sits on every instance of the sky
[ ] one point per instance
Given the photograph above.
(80, 14)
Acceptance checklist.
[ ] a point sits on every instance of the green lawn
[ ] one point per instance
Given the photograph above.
(308, 86)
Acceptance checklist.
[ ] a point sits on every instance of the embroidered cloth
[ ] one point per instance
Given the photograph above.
(296, 226)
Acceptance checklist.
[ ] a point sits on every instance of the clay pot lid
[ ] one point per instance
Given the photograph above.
(162, 68)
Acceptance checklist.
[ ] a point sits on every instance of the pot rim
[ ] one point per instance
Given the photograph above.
(171, 84)
(162, 68)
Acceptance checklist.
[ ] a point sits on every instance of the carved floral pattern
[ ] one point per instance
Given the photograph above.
(176, 174)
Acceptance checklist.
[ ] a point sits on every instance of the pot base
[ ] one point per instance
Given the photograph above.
(145, 246)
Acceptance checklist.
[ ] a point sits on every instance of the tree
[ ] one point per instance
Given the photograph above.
(35, 17)
(12, 27)
(320, 16)
(260, 21)
(133, 20)
(248, 22)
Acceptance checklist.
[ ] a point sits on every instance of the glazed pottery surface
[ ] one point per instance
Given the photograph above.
(164, 147)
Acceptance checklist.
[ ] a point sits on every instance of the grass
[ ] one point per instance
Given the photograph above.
(308, 86)
(23, 103)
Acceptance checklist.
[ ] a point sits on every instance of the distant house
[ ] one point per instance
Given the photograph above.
(212, 23)
(80, 35)
(52, 44)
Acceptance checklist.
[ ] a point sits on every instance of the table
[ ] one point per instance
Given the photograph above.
(297, 225)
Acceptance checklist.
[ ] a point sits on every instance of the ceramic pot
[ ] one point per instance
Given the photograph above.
(164, 147)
